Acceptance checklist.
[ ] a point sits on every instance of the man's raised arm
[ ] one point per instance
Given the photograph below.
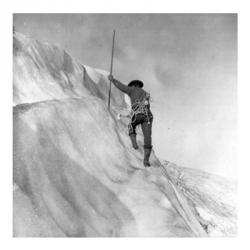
(120, 85)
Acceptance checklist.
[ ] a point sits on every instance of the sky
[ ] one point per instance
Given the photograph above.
(188, 63)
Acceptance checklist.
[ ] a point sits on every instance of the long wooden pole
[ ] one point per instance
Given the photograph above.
(111, 67)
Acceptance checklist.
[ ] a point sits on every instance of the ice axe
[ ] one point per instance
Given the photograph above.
(111, 67)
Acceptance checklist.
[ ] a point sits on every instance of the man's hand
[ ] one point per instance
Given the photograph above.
(111, 78)
(119, 85)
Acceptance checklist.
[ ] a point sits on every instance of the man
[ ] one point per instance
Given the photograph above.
(140, 114)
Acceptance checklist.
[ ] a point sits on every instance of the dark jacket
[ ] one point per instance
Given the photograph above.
(135, 94)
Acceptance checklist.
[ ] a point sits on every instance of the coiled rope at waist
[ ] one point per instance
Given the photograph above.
(139, 107)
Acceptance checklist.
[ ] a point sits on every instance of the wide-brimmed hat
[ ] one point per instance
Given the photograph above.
(136, 82)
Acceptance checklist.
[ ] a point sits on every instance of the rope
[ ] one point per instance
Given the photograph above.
(140, 107)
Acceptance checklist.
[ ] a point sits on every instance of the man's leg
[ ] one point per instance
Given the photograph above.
(147, 132)
(132, 134)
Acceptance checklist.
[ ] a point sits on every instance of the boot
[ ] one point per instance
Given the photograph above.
(147, 152)
(133, 140)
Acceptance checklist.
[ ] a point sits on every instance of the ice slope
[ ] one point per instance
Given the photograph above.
(212, 197)
(75, 173)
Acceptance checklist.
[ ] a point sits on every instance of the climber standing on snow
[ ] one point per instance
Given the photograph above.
(140, 114)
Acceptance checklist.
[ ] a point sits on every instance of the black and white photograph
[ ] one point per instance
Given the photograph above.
(125, 125)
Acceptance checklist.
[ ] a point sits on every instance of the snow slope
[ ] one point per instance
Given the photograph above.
(75, 173)
(212, 197)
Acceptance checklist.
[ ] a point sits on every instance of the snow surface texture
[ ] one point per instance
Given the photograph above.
(75, 172)
(212, 197)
